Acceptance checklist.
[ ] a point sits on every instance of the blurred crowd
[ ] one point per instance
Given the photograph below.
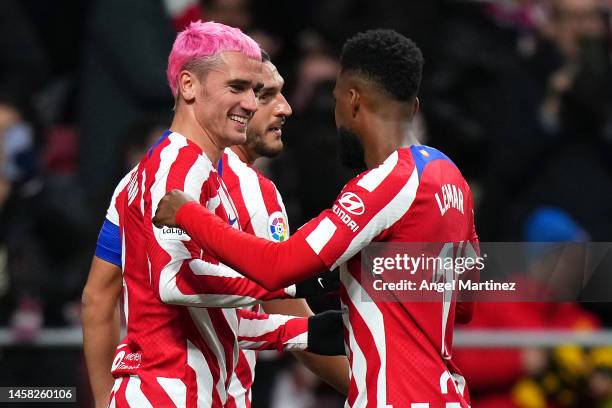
(517, 92)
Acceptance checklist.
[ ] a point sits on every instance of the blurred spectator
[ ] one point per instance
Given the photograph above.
(475, 108)
(122, 78)
(574, 167)
(308, 173)
(137, 138)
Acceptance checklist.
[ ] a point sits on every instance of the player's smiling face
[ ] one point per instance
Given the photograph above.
(265, 128)
(227, 98)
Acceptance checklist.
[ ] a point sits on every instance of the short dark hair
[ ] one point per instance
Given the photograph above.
(386, 57)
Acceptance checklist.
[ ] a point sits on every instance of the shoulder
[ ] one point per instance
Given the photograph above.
(424, 156)
(397, 169)
(112, 213)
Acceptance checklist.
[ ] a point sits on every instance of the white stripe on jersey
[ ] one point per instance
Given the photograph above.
(196, 176)
(320, 236)
(259, 327)
(166, 158)
(373, 178)
(374, 320)
(142, 189)
(204, 380)
(176, 390)
(202, 320)
(358, 364)
(112, 214)
(134, 395)
(386, 217)
(251, 193)
(208, 269)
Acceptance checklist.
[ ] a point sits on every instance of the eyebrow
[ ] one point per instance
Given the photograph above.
(239, 82)
(266, 89)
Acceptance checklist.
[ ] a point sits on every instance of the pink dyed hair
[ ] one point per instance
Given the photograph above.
(201, 40)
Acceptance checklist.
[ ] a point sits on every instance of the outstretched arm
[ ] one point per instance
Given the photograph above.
(320, 334)
(270, 264)
(100, 320)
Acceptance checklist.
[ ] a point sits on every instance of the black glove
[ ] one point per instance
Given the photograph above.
(326, 334)
(319, 285)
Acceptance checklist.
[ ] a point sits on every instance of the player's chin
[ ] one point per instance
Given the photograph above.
(274, 147)
(236, 138)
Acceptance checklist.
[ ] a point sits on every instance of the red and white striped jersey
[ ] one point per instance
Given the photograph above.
(260, 212)
(181, 342)
(260, 207)
(399, 351)
(256, 331)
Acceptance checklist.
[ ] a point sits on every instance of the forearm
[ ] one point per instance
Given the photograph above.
(272, 265)
(199, 283)
(100, 338)
(334, 370)
(259, 331)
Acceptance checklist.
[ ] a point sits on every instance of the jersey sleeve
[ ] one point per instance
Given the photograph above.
(367, 206)
(259, 331)
(179, 274)
(108, 246)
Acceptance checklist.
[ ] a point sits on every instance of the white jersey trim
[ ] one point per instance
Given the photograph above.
(373, 178)
(320, 236)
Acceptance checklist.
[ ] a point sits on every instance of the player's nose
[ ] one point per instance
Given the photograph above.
(282, 107)
(249, 102)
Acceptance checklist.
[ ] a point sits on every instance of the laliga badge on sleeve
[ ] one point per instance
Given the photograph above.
(172, 234)
(278, 230)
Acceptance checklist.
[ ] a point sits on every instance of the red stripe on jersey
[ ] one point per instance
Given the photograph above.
(244, 375)
(227, 336)
(120, 400)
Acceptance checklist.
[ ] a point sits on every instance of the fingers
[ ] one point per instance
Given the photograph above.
(165, 214)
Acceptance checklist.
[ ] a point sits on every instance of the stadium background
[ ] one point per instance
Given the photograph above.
(518, 93)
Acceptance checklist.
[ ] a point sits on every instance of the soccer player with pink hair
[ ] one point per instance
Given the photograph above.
(400, 352)
(183, 333)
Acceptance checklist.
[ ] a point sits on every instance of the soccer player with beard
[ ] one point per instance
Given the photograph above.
(261, 212)
(182, 347)
(399, 352)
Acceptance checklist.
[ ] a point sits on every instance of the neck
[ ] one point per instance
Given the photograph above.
(245, 154)
(383, 136)
(186, 124)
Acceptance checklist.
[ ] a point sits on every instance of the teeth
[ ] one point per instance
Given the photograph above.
(239, 119)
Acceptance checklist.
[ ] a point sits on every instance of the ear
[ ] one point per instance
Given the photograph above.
(355, 101)
(416, 106)
(187, 85)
